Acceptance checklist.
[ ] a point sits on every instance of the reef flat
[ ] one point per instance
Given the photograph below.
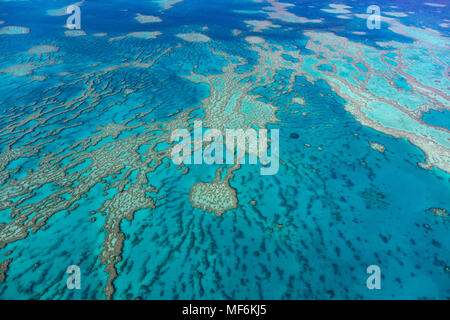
(86, 171)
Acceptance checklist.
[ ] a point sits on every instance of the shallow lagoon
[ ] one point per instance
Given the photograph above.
(86, 177)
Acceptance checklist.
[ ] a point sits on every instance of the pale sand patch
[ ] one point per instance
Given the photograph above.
(146, 35)
(278, 10)
(437, 5)
(299, 100)
(337, 9)
(14, 30)
(147, 19)
(444, 25)
(167, 4)
(39, 78)
(100, 34)
(396, 14)
(377, 147)
(236, 32)
(360, 33)
(42, 49)
(259, 25)
(194, 37)
(255, 40)
(20, 70)
(343, 16)
(74, 33)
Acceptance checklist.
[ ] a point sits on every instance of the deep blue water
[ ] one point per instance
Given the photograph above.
(436, 118)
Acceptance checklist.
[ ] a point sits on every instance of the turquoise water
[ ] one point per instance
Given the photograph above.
(86, 176)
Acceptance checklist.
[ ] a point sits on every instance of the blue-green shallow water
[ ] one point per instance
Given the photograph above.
(342, 207)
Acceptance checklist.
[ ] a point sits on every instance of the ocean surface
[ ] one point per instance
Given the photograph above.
(361, 105)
